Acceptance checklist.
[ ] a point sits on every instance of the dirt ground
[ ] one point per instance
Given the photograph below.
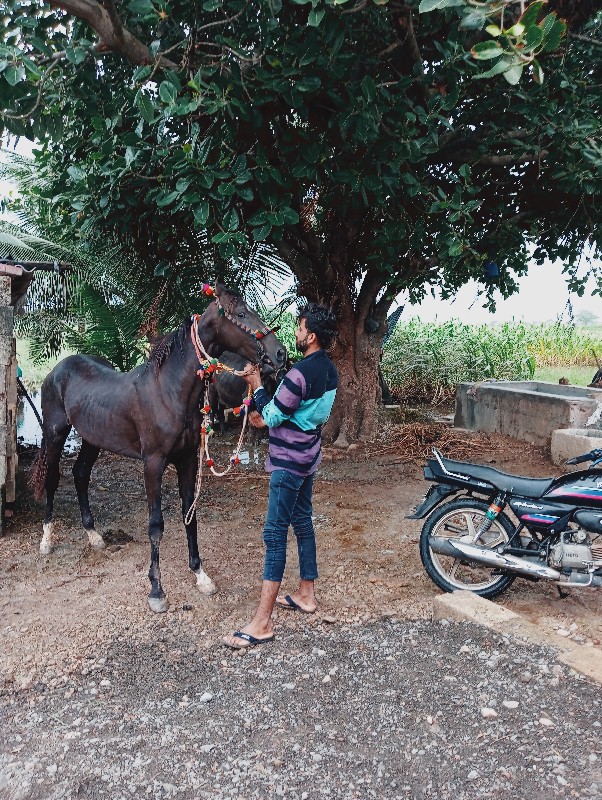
(53, 608)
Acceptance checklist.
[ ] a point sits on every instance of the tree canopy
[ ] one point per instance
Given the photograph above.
(373, 147)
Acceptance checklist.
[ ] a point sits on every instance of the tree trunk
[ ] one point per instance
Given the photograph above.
(330, 277)
(357, 357)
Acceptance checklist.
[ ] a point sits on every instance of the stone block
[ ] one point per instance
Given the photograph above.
(570, 442)
(6, 351)
(5, 290)
(7, 318)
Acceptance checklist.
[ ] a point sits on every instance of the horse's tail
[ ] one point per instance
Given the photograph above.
(37, 478)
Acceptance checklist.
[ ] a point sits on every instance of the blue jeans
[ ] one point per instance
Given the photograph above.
(289, 503)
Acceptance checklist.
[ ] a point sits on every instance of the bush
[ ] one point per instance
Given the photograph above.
(425, 361)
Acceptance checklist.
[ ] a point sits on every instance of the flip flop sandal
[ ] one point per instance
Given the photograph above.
(292, 606)
(252, 640)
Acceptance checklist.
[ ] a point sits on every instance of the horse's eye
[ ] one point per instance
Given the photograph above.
(241, 314)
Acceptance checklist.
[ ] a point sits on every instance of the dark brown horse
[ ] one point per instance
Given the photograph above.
(151, 413)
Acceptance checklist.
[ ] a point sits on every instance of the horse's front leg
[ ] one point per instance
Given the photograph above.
(154, 467)
(187, 471)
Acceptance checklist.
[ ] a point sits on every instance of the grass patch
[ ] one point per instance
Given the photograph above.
(576, 375)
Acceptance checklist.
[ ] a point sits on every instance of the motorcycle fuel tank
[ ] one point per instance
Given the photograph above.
(578, 489)
(590, 520)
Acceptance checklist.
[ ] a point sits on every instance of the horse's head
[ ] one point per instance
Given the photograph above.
(238, 328)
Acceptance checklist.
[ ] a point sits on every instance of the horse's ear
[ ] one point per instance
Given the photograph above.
(220, 289)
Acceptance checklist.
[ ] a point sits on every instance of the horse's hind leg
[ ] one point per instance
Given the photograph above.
(81, 474)
(153, 475)
(187, 470)
(55, 436)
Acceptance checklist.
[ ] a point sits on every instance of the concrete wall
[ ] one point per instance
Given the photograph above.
(525, 410)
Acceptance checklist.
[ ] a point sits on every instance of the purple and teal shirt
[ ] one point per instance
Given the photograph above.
(297, 412)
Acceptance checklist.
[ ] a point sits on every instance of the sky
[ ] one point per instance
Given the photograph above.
(542, 296)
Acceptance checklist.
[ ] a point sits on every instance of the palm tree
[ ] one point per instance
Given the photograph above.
(113, 301)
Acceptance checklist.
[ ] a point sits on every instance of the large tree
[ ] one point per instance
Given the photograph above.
(361, 141)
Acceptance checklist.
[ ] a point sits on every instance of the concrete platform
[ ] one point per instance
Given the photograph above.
(527, 410)
(468, 606)
(572, 442)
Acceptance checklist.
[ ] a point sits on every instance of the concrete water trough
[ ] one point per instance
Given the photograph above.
(528, 410)
(571, 442)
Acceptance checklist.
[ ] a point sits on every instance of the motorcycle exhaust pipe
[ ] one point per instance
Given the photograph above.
(482, 555)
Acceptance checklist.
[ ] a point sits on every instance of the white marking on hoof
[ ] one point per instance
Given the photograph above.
(47, 540)
(96, 540)
(158, 604)
(204, 583)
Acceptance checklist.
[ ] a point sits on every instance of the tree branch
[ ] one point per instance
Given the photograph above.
(113, 36)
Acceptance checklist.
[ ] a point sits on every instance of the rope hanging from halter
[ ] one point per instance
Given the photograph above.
(207, 366)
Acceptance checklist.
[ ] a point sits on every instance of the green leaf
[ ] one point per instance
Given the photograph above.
(316, 15)
(289, 215)
(260, 234)
(501, 66)
(201, 213)
(533, 37)
(232, 220)
(167, 199)
(529, 17)
(167, 92)
(141, 7)
(145, 106)
(14, 74)
(513, 74)
(434, 5)
(161, 269)
(308, 84)
(554, 36)
(368, 88)
(484, 51)
(494, 30)
(516, 30)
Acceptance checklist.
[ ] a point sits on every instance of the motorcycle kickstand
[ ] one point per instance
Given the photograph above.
(563, 595)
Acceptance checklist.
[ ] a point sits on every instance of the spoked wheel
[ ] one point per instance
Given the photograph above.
(462, 519)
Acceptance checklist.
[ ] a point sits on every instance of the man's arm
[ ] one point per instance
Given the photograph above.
(284, 403)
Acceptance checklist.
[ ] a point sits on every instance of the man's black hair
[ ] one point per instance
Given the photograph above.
(321, 321)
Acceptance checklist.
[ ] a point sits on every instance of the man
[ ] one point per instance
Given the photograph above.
(295, 416)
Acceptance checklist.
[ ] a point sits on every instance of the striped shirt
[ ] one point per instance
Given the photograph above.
(295, 416)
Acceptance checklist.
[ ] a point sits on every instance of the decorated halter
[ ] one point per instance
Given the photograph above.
(257, 334)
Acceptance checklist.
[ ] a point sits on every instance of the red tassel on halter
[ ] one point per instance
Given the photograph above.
(208, 290)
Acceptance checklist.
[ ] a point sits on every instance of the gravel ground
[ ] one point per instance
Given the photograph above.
(386, 709)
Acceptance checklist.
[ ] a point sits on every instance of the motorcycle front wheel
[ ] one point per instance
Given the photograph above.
(462, 519)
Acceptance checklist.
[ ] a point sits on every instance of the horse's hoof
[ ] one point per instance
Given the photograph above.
(158, 604)
(204, 583)
(46, 543)
(96, 540)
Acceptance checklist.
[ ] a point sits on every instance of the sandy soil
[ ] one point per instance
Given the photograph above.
(53, 608)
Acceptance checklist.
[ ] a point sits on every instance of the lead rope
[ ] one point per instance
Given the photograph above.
(213, 365)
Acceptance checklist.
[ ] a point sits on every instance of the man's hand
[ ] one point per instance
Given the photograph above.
(252, 376)
(256, 420)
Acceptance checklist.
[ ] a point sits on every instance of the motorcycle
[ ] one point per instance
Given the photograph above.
(469, 540)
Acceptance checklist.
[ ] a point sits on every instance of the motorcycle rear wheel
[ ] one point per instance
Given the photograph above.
(460, 518)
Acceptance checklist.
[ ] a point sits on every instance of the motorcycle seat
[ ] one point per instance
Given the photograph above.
(515, 484)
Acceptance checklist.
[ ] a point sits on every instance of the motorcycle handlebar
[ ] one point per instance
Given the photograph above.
(594, 455)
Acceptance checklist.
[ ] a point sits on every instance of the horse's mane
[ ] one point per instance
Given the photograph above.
(165, 345)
